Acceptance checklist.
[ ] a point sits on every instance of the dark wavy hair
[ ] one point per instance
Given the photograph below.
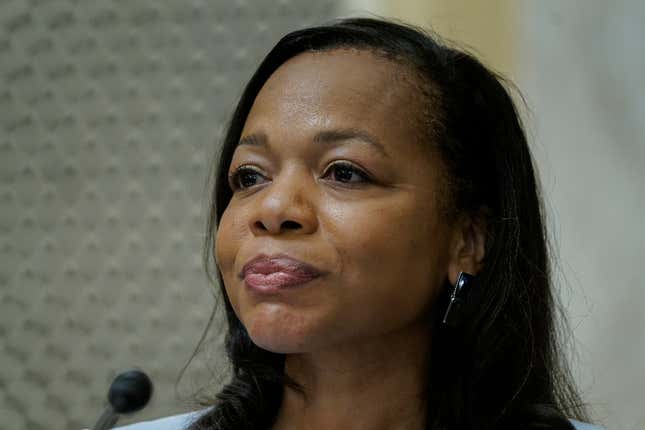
(504, 366)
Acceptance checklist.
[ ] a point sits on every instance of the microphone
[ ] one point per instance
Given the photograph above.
(129, 392)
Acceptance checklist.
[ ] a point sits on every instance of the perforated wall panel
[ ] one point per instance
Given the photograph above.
(109, 116)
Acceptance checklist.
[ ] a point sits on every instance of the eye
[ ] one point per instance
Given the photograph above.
(346, 173)
(244, 177)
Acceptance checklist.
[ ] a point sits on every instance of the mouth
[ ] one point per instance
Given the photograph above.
(271, 274)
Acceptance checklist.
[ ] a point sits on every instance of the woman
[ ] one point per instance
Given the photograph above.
(365, 168)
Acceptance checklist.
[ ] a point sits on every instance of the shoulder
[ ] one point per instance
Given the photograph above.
(584, 426)
(175, 422)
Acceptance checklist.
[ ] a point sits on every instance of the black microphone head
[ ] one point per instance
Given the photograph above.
(130, 391)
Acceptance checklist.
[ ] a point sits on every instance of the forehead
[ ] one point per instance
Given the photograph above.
(358, 73)
(342, 88)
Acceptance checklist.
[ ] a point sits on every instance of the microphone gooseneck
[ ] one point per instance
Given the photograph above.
(129, 392)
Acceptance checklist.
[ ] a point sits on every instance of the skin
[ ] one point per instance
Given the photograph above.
(358, 337)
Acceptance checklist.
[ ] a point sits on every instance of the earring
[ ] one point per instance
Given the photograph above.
(458, 299)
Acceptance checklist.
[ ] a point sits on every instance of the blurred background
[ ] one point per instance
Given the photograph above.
(110, 114)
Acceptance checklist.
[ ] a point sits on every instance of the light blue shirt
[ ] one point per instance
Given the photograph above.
(175, 422)
(180, 422)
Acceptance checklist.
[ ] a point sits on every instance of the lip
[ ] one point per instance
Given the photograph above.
(271, 274)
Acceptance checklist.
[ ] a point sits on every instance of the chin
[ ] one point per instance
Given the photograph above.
(277, 330)
(278, 341)
(279, 346)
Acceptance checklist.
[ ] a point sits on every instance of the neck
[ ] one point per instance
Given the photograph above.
(377, 384)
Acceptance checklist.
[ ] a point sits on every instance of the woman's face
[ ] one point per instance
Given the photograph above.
(331, 172)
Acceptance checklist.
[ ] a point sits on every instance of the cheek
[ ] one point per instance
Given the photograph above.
(228, 239)
(393, 264)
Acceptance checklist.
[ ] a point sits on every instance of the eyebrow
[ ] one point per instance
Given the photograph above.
(324, 137)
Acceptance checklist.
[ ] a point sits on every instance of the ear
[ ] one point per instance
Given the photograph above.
(468, 246)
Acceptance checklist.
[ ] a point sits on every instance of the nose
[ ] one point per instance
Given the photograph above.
(285, 206)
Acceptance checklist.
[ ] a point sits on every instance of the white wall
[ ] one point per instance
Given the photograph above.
(582, 67)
